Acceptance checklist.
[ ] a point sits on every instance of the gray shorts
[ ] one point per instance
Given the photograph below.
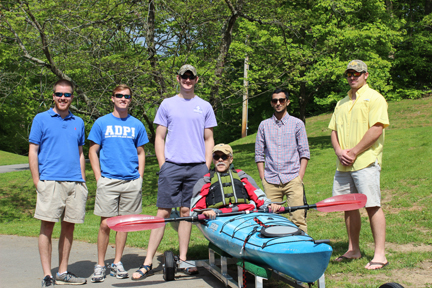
(176, 182)
(61, 200)
(364, 181)
(116, 197)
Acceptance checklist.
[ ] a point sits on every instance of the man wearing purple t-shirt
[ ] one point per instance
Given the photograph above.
(183, 145)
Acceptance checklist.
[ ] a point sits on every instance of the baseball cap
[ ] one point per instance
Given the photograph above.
(187, 67)
(224, 148)
(357, 65)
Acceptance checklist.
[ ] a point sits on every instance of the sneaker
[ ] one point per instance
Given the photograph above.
(69, 279)
(48, 281)
(118, 271)
(99, 273)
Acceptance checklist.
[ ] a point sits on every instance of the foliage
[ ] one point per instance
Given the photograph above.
(411, 70)
(303, 46)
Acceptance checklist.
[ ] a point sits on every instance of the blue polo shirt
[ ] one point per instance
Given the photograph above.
(59, 140)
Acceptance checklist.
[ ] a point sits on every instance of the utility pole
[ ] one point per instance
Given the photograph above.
(245, 98)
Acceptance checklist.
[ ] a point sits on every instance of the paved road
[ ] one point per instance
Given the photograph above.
(16, 167)
(20, 263)
(20, 266)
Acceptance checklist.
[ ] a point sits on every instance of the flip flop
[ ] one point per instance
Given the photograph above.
(378, 263)
(189, 272)
(343, 258)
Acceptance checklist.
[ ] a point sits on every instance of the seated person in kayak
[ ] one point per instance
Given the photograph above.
(226, 190)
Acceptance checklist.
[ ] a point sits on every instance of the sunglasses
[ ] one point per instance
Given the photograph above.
(355, 74)
(123, 95)
(217, 157)
(58, 94)
(191, 77)
(281, 100)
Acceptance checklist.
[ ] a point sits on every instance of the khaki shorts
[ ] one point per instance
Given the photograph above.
(116, 197)
(294, 192)
(364, 181)
(61, 200)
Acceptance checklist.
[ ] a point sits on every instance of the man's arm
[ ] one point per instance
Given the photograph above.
(160, 144)
(260, 166)
(259, 151)
(209, 144)
(370, 137)
(33, 162)
(82, 162)
(303, 165)
(342, 155)
(141, 160)
(94, 159)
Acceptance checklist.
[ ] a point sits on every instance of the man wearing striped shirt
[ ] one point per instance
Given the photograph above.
(282, 144)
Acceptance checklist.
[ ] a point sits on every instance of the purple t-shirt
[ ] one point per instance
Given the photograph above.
(186, 120)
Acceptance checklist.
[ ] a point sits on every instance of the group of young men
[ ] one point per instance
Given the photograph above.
(185, 149)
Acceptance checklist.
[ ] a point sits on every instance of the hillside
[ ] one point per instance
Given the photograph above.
(406, 193)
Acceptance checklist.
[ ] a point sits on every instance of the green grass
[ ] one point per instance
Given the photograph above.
(7, 158)
(405, 182)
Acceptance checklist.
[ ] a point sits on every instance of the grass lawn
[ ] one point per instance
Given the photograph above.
(406, 180)
(7, 158)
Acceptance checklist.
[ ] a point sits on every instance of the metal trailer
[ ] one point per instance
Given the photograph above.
(219, 268)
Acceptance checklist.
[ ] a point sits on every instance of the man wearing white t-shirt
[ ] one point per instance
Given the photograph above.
(183, 144)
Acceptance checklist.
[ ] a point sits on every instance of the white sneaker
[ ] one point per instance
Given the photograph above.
(118, 271)
(99, 273)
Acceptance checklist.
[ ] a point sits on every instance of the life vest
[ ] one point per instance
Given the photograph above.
(232, 192)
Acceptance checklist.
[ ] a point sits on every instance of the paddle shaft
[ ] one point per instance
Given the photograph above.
(267, 210)
(335, 203)
(203, 217)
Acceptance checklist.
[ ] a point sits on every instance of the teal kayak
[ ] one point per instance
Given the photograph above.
(269, 240)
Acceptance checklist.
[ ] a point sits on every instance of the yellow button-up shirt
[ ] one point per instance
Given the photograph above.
(352, 119)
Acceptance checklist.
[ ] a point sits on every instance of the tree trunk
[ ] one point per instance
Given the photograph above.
(303, 101)
(223, 52)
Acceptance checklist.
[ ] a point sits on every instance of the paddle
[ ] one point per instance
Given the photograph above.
(138, 222)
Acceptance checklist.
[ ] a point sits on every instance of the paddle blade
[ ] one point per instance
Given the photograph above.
(346, 202)
(136, 222)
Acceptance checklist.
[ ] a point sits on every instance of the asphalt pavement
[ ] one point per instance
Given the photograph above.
(16, 167)
(20, 263)
(20, 266)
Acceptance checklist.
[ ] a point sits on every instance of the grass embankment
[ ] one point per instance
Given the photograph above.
(405, 182)
(7, 158)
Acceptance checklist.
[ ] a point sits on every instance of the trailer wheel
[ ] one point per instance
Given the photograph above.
(391, 285)
(169, 266)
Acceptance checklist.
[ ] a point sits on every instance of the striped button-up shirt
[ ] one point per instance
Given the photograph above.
(281, 144)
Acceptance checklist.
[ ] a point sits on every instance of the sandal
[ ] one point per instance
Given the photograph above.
(147, 268)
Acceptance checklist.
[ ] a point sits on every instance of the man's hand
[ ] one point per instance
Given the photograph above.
(345, 157)
(210, 214)
(274, 207)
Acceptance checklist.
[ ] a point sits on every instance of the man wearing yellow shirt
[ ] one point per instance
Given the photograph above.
(358, 124)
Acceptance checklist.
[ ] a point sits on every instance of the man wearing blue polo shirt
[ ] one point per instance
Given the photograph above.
(120, 139)
(57, 166)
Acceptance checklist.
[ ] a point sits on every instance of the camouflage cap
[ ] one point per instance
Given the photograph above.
(224, 148)
(357, 65)
(187, 67)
